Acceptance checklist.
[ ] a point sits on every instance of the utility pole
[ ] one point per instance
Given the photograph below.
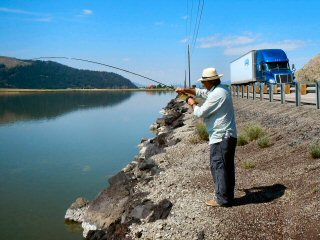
(189, 65)
(185, 78)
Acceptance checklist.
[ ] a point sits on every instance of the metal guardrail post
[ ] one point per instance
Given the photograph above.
(282, 90)
(318, 93)
(261, 91)
(248, 91)
(242, 91)
(271, 92)
(298, 94)
(254, 91)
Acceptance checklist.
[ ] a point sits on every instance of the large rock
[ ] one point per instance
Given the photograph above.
(77, 210)
(147, 164)
(109, 206)
(119, 179)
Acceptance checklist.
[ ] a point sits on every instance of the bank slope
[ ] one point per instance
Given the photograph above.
(276, 198)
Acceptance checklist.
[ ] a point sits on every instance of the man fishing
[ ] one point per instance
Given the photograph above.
(218, 114)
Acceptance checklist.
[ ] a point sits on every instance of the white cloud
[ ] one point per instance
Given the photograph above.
(238, 45)
(184, 17)
(45, 19)
(160, 23)
(184, 41)
(286, 45)
(126, 59)
(217, 41)
(87, 12)
(19, 11)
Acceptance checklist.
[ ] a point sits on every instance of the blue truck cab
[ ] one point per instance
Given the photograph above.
(272, 67)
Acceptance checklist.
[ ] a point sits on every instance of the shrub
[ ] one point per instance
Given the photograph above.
(195, 139)
(242, 140)
(248, 164)
(314, 150)
(254, 131)
(202, 131)
(264, 141)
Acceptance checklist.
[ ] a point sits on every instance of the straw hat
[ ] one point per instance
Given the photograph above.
(210, 74)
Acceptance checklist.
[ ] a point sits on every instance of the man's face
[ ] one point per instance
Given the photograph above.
(207, 84)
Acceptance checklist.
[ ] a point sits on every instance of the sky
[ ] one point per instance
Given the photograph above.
(150, 37)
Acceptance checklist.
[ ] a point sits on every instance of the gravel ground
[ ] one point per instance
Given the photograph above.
(278, 198)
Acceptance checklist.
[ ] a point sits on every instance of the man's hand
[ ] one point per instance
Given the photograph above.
(191, 102)
(189, 91)
(180, 90)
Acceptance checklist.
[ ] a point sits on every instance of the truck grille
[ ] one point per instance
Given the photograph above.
(283, 78)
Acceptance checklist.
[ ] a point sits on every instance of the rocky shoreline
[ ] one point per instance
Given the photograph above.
(111, 214)
(161, 193)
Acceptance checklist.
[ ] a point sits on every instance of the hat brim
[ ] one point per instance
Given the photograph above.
(210, 79)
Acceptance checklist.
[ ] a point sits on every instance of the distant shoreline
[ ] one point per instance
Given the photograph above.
(5, 91)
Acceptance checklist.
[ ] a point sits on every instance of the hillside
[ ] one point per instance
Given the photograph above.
(310, 72)
(15, 73)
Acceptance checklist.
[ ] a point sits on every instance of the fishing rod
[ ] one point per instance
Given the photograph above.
(98, 63)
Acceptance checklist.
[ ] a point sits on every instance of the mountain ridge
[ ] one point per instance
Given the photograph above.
(17, 73)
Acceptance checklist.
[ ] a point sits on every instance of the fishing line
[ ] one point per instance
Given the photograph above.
(107, 65)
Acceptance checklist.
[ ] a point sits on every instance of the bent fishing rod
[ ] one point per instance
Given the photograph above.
(106, 65)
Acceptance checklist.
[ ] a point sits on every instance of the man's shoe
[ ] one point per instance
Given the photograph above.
(212, 203)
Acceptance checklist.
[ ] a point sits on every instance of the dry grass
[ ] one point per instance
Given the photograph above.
(254, 131)
(264, 141)
(248, 164)
(202, 131)
(314, 150)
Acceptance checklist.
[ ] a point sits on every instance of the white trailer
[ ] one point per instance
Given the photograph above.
(242, 70)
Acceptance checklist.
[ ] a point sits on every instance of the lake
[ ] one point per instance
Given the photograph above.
(56, 147)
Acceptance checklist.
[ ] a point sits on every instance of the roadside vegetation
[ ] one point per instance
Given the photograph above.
(201, 134)
(264, 141)
(252, 132)
(314, 150)
(242, 139)
(202, 131)
(248, 164)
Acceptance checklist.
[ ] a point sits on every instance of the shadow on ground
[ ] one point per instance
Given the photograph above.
(261, 194)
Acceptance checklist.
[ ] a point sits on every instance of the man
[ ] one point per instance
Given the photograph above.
(218, 114)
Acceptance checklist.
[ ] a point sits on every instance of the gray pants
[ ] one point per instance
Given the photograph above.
(223, 170)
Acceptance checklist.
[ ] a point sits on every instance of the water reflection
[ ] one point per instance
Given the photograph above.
(50, 105)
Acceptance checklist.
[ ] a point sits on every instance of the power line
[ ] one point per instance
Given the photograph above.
(191, 13)
(196, 35)
(121, 69)
(195, 26)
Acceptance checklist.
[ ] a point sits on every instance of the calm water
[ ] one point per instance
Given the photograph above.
(55, 147)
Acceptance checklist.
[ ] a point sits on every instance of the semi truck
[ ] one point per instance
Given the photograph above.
(268, 66)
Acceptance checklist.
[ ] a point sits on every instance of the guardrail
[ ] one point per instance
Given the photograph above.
(251, 90)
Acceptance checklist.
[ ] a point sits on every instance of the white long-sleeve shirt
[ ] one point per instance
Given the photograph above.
(217, 112)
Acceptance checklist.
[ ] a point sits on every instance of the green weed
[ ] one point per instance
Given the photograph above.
(264, 141)
(254, 131)
(242, 140)
(314, 150)
(248, 164)
(202, 131)
(195, 139)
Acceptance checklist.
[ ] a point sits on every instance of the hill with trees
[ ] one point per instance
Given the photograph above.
(27, 74)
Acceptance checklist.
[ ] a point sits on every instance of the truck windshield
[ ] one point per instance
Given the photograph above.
(278, 65)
